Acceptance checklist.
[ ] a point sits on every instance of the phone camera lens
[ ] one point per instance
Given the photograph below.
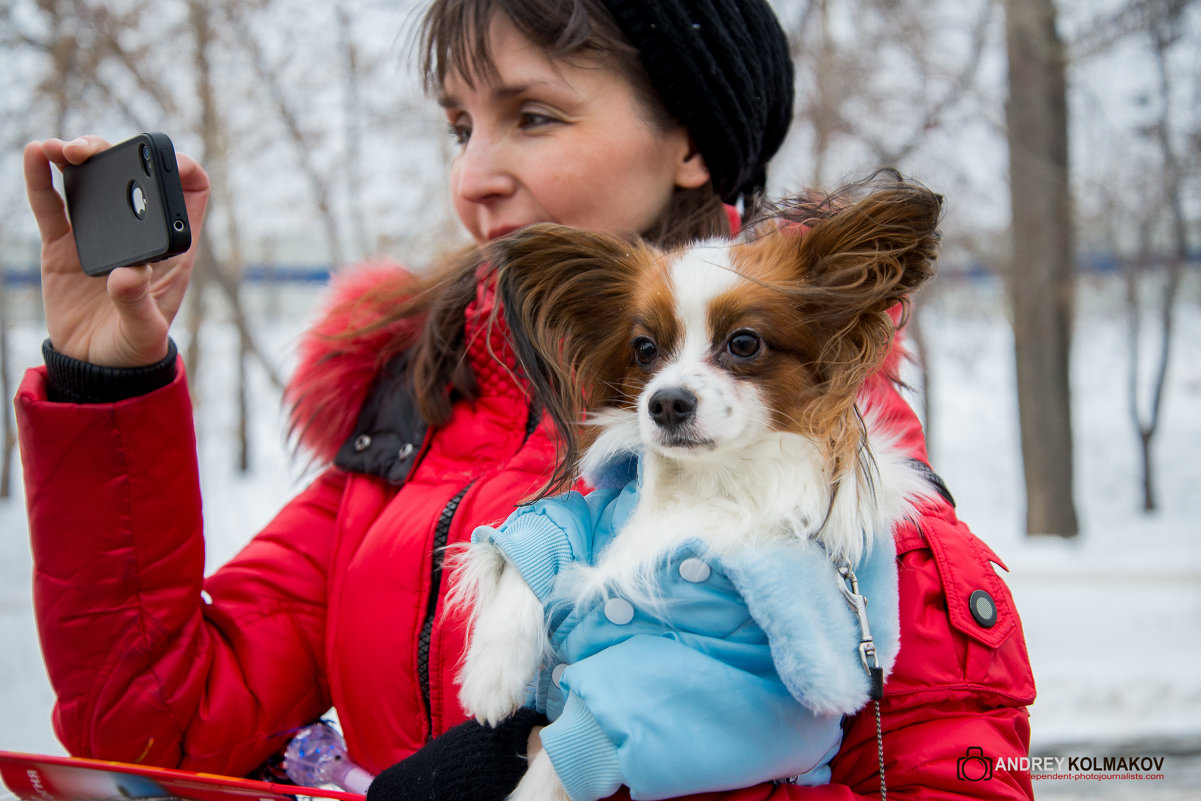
(145, 151)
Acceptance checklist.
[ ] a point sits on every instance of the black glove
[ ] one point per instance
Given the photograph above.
(471, 762)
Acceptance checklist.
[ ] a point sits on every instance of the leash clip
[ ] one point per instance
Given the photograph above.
(849, 586)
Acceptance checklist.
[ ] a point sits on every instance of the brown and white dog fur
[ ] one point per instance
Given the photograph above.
(733, 368)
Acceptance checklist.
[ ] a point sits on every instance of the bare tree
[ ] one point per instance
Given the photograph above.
(824, 111)
(8, 432)
(208, 268)
(353, 148)
(1164, 32)
(288, 110)
(848, 103)
(91, 62)
(923, 354)
(1042, 268)
(957, 86)
(200, 26)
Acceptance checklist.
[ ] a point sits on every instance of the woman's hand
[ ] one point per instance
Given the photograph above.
(121, 321)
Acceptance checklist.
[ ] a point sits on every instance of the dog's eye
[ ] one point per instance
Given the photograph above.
(744, 344)
(645, 350)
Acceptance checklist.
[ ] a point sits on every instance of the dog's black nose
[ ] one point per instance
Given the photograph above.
(671, 408)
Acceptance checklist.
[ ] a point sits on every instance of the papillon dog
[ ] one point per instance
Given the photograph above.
(732, 369)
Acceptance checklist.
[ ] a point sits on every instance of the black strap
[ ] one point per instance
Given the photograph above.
(934, 479)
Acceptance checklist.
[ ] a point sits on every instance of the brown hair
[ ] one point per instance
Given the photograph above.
(454, 37)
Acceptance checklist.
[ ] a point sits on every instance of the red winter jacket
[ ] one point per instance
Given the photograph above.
(338, 600)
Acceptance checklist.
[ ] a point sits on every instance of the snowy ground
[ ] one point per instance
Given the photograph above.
(1112, 620)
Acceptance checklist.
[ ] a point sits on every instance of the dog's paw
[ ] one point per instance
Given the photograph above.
(507, 644)
(540, 782)
(491, 692)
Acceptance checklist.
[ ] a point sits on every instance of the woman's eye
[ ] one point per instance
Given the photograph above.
(744, 344)
(459, 133)
(645, 350)
(532, 119)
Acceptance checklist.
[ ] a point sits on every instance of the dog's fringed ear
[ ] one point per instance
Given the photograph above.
(559, 288)
(857, 254)
(867, 247)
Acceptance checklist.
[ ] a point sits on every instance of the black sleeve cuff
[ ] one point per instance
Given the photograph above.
(75, 381)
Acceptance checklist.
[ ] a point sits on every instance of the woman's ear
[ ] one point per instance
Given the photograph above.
(691, 171)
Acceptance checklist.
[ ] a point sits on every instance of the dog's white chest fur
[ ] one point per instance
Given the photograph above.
(737, 501)
(775, 490)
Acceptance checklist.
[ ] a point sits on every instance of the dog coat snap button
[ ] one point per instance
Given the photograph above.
(619, 611)
(983, 608)
(361, 443)
(556, 674)
(694, 570)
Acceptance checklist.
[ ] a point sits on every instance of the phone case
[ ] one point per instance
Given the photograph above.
(126, 205)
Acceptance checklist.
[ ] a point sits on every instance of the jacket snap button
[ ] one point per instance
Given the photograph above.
(556, 675)
(619, 611)
(983, 608)
(361, 443)
(694, 570)
(406, 451)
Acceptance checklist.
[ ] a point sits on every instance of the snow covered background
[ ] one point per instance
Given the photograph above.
(1112, 619)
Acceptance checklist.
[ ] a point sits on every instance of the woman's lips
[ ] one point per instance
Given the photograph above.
(498, 231)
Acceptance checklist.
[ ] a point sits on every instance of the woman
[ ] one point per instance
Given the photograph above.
(624, 117)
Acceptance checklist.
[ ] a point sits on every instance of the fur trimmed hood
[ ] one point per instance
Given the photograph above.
(336, 369)
(346, 351)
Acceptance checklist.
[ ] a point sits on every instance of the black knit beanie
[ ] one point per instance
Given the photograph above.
(723, 69)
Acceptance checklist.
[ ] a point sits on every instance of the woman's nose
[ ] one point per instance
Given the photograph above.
(482, 170)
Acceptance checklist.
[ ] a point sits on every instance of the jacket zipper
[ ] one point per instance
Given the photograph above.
(441, 535)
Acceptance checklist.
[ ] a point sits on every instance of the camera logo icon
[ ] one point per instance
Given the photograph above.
(137, 199)
(973, 766)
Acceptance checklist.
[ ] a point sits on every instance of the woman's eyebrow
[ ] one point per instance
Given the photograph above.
(502, 92)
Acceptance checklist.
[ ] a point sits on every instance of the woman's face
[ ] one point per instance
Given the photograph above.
(550, 141)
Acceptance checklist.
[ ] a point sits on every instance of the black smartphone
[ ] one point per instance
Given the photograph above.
(126, 205)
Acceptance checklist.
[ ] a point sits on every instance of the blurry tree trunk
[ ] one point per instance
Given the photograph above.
(236, 268)
(63, 52)
(229, 286)
(306, 153)
(921, 348)
(1134, 268)
(1043, 261)
(227, 277)
(9, 433)
(825, 113)
(204, 266)
(1173, 194)
(354, 140)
